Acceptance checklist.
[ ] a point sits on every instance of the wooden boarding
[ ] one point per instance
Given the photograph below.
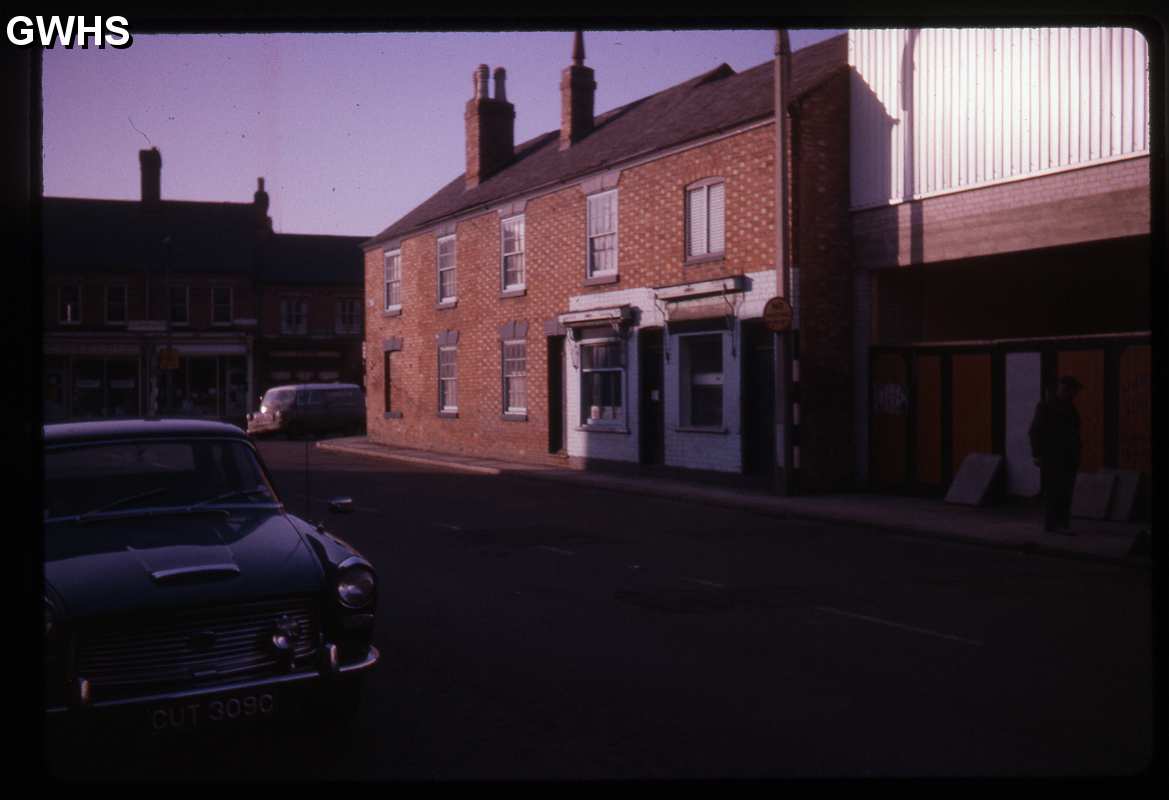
(972, 485)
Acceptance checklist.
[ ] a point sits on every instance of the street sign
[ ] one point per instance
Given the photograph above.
(777, 315)
(168, 358)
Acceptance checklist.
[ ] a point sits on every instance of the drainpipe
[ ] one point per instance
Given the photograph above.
(785, 464)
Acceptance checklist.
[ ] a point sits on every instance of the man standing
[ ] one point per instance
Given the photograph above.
(1055, 446)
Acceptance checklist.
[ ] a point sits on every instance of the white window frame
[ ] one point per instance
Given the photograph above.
(453, 381)
(170, 305)
(286, 306)
(589, 270)
(339, 322)
(519, 221)
(394, 256)
(702, 189)
(230, 305)
(586, 420)
(61, 302)
(387, 386)
(452, 269)
(125, 303)
(510, 377)
(687, 380)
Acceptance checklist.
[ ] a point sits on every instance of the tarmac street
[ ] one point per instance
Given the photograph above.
(548, 630)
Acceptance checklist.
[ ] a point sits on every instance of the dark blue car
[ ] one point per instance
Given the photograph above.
(180, 593)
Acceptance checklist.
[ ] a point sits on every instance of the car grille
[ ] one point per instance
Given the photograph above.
(188, 649)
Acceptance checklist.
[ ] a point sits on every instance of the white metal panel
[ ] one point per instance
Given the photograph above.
(985, 105)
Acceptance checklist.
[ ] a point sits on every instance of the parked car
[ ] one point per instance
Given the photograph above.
(180, 593)
(309, 408)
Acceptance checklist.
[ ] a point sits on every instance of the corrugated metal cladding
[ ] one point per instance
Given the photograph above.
(941, 109)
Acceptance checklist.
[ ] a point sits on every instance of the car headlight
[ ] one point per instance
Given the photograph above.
(355, 586)
(49, 618)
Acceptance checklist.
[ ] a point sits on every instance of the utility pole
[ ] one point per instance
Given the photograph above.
(786, 451)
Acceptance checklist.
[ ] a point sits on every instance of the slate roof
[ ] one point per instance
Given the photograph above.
(295, 258)
(125, 236)
(84, 235)
(714, 101)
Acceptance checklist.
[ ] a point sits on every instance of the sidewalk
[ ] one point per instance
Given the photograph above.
(1009, 527)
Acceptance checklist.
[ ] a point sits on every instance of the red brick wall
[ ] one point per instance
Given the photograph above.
(651, 241)
(93, 298)
(823, 255)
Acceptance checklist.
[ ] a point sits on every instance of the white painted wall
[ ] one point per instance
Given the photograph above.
(1023, 391)
(937, 110)
(693, 450)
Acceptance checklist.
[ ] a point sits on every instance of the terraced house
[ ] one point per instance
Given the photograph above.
(160, 306)
(595, 293)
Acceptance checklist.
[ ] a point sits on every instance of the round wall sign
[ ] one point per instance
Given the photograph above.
(777, 314)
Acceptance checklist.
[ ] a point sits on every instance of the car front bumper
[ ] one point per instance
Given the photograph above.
(301, 682)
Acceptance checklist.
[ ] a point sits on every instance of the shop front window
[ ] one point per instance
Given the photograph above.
(602, 380)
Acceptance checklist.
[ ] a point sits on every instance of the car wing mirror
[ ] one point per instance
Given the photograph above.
(341, 505)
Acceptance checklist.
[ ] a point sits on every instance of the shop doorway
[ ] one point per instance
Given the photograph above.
(556, 399)
(758, 399)
(653, 401)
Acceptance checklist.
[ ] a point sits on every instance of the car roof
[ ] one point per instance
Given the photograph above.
(316, 386)
(155, 427)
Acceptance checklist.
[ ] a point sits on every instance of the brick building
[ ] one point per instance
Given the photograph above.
(596, 292)
(1000, 214)
(126, 281)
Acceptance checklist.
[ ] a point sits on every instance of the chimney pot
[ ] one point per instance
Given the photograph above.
(480, 78)
(500, 84)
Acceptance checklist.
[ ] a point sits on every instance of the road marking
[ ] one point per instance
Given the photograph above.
(706, 583)
(891, 624)
(556, 550)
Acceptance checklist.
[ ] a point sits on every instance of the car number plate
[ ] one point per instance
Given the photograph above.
(205, 712)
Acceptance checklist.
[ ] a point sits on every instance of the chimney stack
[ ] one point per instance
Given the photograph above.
(151, 164)
(577, 89)
(490, 128)
(260, 201)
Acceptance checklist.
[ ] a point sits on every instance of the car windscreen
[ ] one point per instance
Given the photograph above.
(151, 473)
(276, 399)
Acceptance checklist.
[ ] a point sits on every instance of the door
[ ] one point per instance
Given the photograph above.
(555, 394)
(653, 402)
(758, 399)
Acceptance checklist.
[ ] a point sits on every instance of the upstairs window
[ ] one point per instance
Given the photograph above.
(294, 316)
(348, 315)
(602, 233)
(221, 305)
(69, 304)
(705, 223)
(116, 305)
(513, 253)
(447, 283)
(180, 305)
(393, 280)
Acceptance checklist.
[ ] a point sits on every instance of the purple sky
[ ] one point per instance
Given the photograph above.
(350, 131)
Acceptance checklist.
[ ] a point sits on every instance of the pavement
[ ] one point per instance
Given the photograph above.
(1012, 526)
